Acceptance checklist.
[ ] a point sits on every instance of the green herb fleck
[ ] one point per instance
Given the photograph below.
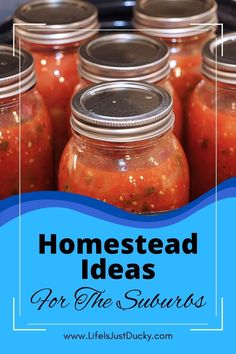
(40, 128)
(150, 190)
(126, 202)
(67, 188)
(204, 143)
(4, 145)
(88, 178)
(179, 160)
(227, 152)
(14, 191)
(145, 208)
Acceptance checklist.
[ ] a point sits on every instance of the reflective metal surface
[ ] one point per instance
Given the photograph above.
(122, 111)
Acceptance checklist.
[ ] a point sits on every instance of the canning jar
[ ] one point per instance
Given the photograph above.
(26, 160)
(123, 151)
(186, 25)
(129, 57)
(54, 47)
(211, 125)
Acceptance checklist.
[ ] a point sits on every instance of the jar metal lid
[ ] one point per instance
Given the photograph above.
(217, 65)
(122, 111)
(17, 73)
(175, 19)
(56, 22)
(124, 56)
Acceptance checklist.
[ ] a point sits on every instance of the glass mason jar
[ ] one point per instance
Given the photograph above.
(211, 125)
(129, 57)
(25, 128)
(54, 48)
(174, 22)
(123, 151)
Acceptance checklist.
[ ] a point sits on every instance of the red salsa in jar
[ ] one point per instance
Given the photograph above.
(26, 161)
(54, 47)
(129, 57)
(123, 151)
(211, 125)
(185, 25)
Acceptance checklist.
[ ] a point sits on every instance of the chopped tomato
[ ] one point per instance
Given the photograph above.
(57, 76)
(185, 73)
(177, 108)
(35, 157)
(153, 180)
(202, 132)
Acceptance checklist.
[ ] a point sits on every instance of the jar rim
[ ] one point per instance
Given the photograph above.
(117, 56)
(169, 26)
(18, 74)
(122, 111)
(69, 27)
(219, 58)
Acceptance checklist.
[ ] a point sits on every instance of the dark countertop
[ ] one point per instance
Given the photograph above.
(113, 14)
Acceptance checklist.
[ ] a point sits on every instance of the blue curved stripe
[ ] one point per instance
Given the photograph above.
(32, 201)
